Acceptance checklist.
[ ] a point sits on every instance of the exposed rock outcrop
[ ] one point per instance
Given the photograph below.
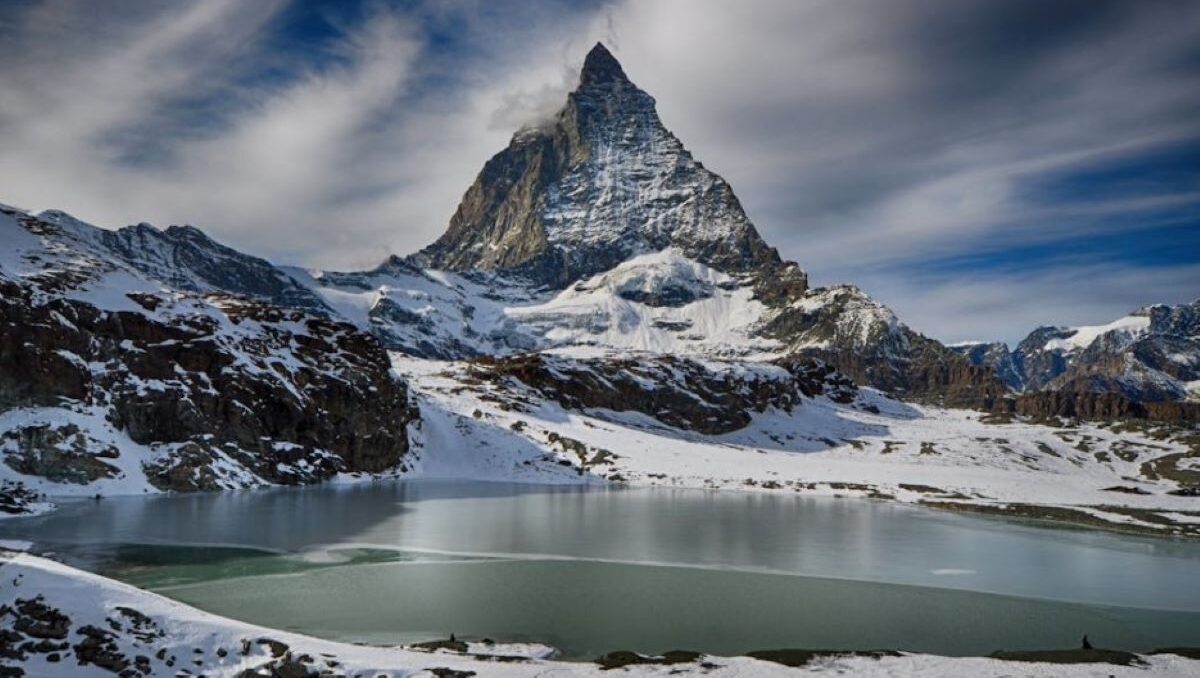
(866, 341)
(676, 391)
(1096, 405)
(995, 355)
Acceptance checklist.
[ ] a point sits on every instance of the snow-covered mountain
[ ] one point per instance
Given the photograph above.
(183, 258)
(1152, 354)
(141, 359)
(598, 228)
(601, 182)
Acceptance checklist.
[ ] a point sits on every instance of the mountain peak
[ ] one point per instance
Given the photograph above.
(603, 181)
(600, 66)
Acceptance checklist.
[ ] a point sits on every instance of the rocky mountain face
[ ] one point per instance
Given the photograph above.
(142, 356)
(602, 181)
(184, 258)
(865, 340)
(996, 355)
(676, 391)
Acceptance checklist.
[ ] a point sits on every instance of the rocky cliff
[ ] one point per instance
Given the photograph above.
(682, 393)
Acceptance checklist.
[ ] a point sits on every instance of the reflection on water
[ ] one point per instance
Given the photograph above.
(508, 561)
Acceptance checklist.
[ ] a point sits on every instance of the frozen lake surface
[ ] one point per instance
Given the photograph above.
(591, 570)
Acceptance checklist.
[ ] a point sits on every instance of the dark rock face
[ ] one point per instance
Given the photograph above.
(1176, 321)
(669, 296)
(676, 391)
(16, 499)
(1037, 366)
(1096, 405)
(585, 191)
(227, 391)
(997, 356)
(62, 454)
(928, 372)
(37, 620)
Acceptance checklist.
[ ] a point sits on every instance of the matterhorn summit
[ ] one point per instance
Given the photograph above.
(602, 181)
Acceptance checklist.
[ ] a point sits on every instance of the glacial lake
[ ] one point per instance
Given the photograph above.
(590, 570)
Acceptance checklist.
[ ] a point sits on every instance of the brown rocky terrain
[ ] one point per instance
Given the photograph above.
(675, 391)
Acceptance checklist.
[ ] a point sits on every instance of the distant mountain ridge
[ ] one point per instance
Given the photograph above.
(184, 258)
(1152, 354)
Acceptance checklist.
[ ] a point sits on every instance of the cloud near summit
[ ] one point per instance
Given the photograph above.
(979, 166)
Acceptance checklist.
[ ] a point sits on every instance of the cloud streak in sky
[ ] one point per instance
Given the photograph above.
(883, 143)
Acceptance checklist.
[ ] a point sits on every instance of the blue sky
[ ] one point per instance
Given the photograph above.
(983, 167)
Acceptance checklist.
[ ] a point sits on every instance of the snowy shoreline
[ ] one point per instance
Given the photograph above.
(1115, 477)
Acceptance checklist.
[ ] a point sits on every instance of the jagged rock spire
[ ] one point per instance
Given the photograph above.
(601, 66)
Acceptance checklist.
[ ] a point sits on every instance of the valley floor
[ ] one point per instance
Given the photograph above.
(55, 620)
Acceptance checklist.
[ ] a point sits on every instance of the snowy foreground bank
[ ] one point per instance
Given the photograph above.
(56, 620)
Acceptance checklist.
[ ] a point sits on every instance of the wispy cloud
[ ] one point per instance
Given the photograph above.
(334, 162)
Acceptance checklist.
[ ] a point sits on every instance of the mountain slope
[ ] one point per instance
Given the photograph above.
(184, 258)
